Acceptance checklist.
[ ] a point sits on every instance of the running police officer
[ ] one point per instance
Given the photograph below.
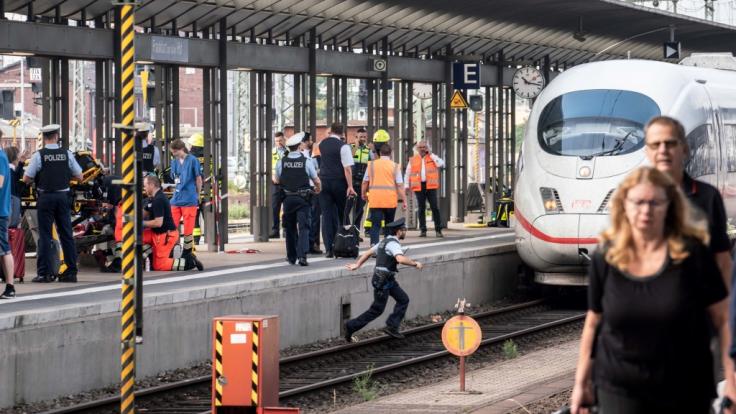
(52, 168)
(361, 156)
(150, 153)
(388, 256)
(292, 174)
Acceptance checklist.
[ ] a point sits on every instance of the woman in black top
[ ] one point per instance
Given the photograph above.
(654, 289)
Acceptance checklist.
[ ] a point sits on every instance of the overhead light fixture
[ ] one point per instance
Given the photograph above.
(21, 54)
(394, 79)
(144, 62)
(324, 74)
(579, 34)
(244, 69)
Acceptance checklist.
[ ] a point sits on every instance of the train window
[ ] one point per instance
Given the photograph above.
(703, 152)
(595, 123)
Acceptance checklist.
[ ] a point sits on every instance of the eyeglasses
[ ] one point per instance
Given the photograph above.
(640, 203)
(668, 144)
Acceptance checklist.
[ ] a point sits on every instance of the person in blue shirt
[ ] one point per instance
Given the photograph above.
(52, 167)
(5, 252)
(186, 171)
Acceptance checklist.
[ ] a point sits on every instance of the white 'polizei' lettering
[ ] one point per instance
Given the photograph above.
(54, 157)
(294, 164)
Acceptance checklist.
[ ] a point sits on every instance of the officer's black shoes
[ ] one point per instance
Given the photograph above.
(329, 254)
(303, 261)
(423, 233)
(438, 233)
(274, 235)
(43, 279)
(68, 277)
(291, 262)
(349, 338)
(393, 332)
(9, 292)
(114, 267)
(314, 250)
(196, 262)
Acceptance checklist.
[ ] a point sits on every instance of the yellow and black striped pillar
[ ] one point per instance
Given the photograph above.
(218, 363)
(126, 87)
(254, 366)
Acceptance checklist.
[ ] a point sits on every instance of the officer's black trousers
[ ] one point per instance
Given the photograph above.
(332, 200)
(296, 221)
(380, 297)
(277, 198)
(54, 208)
(424, 196)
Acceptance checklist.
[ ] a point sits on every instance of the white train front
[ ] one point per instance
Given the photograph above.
(585, 134)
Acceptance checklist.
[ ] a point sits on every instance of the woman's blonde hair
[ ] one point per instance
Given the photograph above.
(679, 222)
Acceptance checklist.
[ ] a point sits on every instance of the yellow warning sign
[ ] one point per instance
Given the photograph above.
(461, 335)
(458, 101)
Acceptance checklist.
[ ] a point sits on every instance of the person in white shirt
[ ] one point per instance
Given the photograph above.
(423, 179)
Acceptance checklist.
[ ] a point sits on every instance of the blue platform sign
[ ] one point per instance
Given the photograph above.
(466, 75)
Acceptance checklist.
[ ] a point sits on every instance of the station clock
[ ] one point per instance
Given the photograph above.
(423, 90)
(528, 82)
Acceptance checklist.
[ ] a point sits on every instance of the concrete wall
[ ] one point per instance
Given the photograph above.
(45, 357)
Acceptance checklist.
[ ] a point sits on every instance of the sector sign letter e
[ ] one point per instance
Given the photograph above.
(466, 75)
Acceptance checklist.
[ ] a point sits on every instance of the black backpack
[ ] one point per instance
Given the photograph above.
(348, 236)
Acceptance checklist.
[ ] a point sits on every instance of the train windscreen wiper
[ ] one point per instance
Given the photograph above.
(613, 151)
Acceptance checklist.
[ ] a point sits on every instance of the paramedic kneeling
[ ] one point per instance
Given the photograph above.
(159, 232)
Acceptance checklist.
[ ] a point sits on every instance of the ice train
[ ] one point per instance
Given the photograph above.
(585, 134)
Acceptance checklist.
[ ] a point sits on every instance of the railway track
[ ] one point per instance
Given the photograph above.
(321, 371)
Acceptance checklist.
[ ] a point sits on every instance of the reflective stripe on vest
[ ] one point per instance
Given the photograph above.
(431, 173)
(361, 155)
(382, 184)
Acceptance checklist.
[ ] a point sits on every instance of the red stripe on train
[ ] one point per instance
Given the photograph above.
(551, 239)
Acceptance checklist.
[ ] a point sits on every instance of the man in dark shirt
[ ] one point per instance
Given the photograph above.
(667, 150)
(159, 234)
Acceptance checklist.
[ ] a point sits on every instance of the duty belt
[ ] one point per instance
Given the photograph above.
(301, 193)
(381, 278)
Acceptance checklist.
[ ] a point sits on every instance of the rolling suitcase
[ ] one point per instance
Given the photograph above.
(16, 238)
(347, 237)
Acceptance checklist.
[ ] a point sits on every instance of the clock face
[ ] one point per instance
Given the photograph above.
(423, 90)
(528, 82)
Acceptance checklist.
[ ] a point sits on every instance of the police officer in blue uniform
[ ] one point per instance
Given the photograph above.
(52, 168)
(150, 154)
(293, 174)
(388, 256)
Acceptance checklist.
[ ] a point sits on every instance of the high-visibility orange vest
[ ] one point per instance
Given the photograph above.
(431, 172)
(382, 184)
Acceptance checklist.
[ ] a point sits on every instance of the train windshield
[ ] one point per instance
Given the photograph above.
(595, 123)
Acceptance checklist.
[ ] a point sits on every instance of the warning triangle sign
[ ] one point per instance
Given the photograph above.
(458, 101)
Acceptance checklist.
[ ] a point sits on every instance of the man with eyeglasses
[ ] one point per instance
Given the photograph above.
(667, 150)
(423, 179)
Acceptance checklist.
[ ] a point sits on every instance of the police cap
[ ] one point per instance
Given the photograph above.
(143, 127)
(50, 129)
(396, 225)
(295, 139)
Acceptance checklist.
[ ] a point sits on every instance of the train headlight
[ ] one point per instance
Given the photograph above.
(550, 200)
(584, 172)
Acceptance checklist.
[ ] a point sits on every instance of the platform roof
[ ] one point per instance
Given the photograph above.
(524, 29)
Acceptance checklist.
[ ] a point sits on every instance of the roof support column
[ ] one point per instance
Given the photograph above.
(344, 103)
(298, 109)
(222, 196)
(370, 86)
(384, 87)
(500, 130)
(330, 105)
(313, 83)
(397, 130)
(253, 95)
(461, 171)
(445, 143)
(487, 193)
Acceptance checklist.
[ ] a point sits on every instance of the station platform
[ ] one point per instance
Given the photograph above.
(497, 389)
(52, 330)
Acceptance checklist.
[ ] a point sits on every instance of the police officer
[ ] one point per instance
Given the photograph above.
(52, 168)
(277, 194)
(361, 155)
(388, 256)
(293, 174)
(150, 154)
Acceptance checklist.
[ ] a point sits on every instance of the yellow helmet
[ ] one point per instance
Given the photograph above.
(196, 140)
(381, 136)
